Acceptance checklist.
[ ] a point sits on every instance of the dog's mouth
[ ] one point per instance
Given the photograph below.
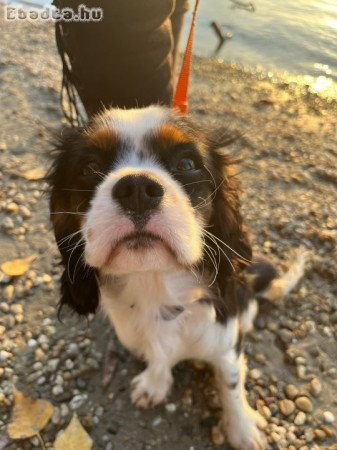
(139, 240)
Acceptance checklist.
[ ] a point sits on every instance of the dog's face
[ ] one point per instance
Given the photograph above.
(141, 190)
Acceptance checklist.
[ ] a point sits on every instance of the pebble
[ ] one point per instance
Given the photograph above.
(8, 224)
(315, 387)
(301, 372)
(291, 391)
(300, 418)
(320, 434)
(217, 436)
(9, 292)
(12, 208)
(255, 374)
(304, 404)
(157, 421)
(171, 407)
(4, 355)
(57, 390)
(77, 401)
(286, 407)
(328, 417)
(32, 343)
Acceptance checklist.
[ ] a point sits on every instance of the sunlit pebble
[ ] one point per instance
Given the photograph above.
(9, 292)
(4, 307)
(170, 407)
(5, 356)
(328, 417)
(12, 208)
(8, 224)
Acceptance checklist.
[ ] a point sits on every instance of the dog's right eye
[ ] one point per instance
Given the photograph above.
(90, 169)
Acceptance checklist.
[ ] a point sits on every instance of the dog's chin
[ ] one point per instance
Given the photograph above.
(139, 252)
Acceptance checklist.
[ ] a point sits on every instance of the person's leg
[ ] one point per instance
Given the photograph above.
(127, 59)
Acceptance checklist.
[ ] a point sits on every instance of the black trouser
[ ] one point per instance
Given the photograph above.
(128, 59)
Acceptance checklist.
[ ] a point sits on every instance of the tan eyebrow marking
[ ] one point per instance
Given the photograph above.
(102, 138)
(168, 136)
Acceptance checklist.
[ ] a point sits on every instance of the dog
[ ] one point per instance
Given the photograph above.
(145, 207)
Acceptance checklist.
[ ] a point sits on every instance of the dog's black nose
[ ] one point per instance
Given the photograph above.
(138, 193)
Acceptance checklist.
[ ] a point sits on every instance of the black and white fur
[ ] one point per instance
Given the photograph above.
(146, 214)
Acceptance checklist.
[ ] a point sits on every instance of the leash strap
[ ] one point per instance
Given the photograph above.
(180, 98)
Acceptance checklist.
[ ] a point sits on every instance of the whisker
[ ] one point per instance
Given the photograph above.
(211, 235)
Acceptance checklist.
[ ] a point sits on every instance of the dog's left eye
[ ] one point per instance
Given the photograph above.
(90, 169)
(185, 165)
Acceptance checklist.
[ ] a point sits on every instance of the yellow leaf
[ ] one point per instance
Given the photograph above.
(30, 416)
(74, 437)
(17, 267)
(33, 174)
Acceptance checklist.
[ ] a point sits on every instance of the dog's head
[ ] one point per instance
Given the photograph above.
(142, 190)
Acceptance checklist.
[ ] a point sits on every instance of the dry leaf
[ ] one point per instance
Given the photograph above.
(30, 416)
(17, 267)
(33, 174)
(74, 437)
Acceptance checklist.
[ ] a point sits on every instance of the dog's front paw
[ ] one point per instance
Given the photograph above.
(149, 390)
(244, 433)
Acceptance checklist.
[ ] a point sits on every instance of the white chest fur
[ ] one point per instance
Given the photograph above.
(135, 305)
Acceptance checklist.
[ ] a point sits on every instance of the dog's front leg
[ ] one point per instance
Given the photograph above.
(240, 422)
(151, 387)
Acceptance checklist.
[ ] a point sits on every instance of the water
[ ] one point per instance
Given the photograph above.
(297, 36)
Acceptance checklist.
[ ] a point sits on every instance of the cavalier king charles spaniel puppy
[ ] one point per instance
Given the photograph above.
(146, 213)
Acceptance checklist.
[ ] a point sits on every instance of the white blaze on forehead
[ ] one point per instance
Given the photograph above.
(133, 124)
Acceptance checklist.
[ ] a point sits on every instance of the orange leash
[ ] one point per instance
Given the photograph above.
(180, 98)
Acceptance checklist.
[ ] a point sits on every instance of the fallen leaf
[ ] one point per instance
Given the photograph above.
(17, 267)
(34, 174)
(30, 416)
(74, 437)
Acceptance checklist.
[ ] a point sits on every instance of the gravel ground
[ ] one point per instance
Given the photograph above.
(289, 156)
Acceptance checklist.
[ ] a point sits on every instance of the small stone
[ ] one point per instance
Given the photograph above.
(319, 435)
(5, 356)
(113, 427)
(301, 372)
(4, 307)
(217, 436)
(286, 407)
(8, 224)
(291, 391)
(275, 436)
(170, 407)
(304, 404)
(328, 417)
(157, 421)
(39, 355)
(255, 374)
(25, 212)
(12, 208)
(77, 401)
(9, 292)
(57, 390)
(16, 308)
(32, 343)
(315, 387)
(73, 349)
(309, 435)
(265, 411)
(46, 278)
(260, 358)
(300, 418)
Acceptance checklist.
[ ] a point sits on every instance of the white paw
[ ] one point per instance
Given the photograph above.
(244, 432)
(148, 390)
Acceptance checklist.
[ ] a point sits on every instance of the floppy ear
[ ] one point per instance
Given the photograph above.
(226, 222)
(79, 285)
(229, 233)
